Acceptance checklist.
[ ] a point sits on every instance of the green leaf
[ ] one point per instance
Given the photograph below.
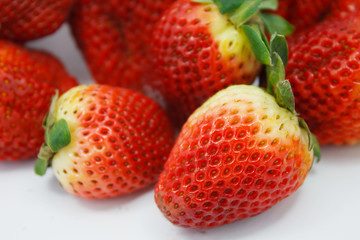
(284, 95)
(203, 1)
(275, 73)
(264, 38)
(279, 45)
(278, 86)
(226, 6)
(276, 24)
(58, 136)
(304, 125)
(317, 150)
(41, 166)
(244, 12)
(43, 160)
(258, 45)
(269, 5)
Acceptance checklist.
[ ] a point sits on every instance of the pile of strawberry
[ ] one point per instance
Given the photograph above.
(241, 148)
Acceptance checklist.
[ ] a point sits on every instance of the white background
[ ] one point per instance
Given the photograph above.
(327, 206)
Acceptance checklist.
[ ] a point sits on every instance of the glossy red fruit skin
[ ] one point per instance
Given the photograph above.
(324, 71)
(342, 8)
(121, 143)
(187, 62)
(304, 14)
(31, 19)
(223, 169)
(28, 79)
(113, 37)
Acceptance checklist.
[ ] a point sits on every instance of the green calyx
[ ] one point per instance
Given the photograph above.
(242, 12)
(57, 136)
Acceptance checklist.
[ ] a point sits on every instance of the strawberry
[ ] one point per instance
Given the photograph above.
(31, 19)
(305, 13)
(324, 71)
(238, 154)
(105, 141)
(199, 49)
(113, 37)
(28, 79)
(341, 8)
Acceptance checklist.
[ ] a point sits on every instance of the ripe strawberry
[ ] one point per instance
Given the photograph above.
(236, 156)
(341, 8)
(28, 79)
(198, 51)
(113, 36)
(120, 140)
(31, 19)
(324, 70)
(304, 13)
(240, 153)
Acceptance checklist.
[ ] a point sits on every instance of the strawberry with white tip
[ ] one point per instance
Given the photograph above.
(104, 141)
(201, 47)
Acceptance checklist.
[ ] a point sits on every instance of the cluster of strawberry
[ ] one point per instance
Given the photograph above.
(241, 148)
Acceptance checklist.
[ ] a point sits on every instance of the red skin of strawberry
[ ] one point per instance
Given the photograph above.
(303, 13)
(324, 70)
(230, 163)
(31, 19)
(114, 35)
(188, 62)
(120, 141)
(28, 79)
(341, 8)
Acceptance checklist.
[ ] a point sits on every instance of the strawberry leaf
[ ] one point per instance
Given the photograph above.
(58, 136)
(276, 24)
(43, 160)
(275, 73)
(279, 45)
(258, 43)
(285, 96)
(269, 5)
(278, 86)
(244, 12)
(226, 6)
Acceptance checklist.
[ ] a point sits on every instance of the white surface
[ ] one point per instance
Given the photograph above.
(327, 206)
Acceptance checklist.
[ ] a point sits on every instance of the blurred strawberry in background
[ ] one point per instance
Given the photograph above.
(28, 80)
(31, 19)
(113, 37)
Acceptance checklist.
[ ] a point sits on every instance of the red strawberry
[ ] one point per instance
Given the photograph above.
(304, 13)
(114, 35)
(324, 70)
(120, 140)
(31, 19)
(197, 51)
(28, 79)
(236, 156)
(341, 8)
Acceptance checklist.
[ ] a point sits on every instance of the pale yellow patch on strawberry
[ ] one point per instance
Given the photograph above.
(232, 42)
(255, 104)
(63, 161)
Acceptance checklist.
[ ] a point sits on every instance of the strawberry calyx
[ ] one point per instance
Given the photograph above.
(245, 12)
(57, 136)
